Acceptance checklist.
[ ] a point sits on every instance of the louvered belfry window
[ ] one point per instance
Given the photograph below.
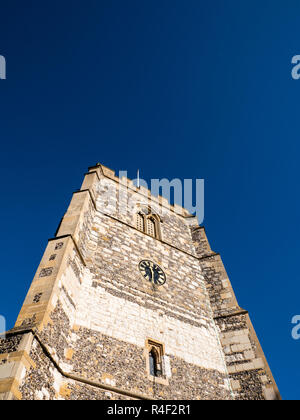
(148, 222)
(140, 222)
(150, 226)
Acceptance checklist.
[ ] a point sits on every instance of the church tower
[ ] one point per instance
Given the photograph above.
(131, 305)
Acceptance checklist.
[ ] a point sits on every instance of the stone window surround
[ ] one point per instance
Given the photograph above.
(149, 216)
(159, 349)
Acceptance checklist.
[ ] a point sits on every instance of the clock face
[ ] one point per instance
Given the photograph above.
(152, 272)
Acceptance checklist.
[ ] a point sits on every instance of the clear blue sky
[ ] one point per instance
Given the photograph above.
(208, 86)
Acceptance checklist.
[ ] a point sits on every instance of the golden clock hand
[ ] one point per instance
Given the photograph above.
(152, 274)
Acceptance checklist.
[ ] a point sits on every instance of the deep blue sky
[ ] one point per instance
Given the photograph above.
(206, 87)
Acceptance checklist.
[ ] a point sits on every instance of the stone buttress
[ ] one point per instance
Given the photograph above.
(247, 366)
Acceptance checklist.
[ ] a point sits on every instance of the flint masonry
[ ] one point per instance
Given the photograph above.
(131, 306)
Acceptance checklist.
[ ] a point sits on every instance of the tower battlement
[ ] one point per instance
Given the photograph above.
(126, 182)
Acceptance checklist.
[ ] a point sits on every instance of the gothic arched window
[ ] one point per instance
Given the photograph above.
(154, 354)
(154, 363)
(149, 223)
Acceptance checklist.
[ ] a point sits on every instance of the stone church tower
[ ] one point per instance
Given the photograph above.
(131, 305)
